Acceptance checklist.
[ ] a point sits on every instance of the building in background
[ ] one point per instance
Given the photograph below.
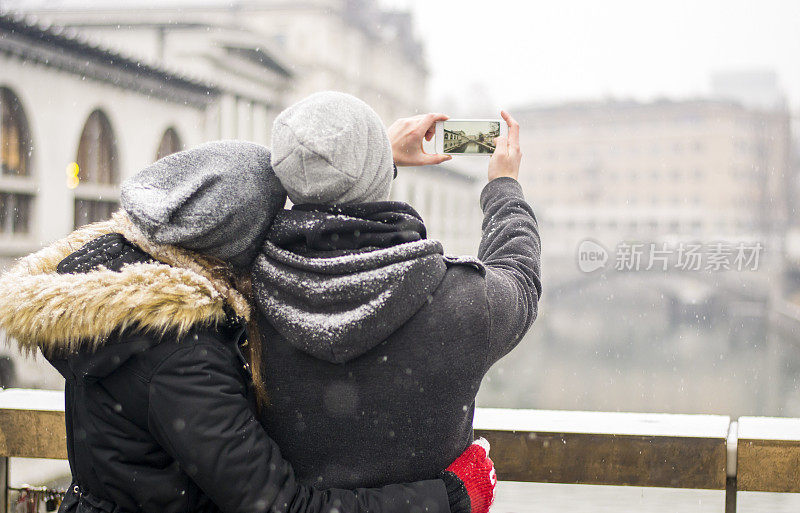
(246, 61)
(620, 171)
(352, 46)
(758, 90)
(447, 198)
(76, 120)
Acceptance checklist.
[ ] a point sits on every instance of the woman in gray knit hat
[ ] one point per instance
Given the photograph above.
(144, 316)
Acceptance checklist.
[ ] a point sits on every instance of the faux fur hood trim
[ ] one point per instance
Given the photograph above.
(40, 308)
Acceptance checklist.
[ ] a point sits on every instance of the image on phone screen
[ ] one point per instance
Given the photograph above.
(470, 136)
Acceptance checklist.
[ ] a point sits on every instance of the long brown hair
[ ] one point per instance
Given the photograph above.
(254, 349)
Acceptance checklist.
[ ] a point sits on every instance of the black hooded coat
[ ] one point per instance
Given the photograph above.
(375, 343)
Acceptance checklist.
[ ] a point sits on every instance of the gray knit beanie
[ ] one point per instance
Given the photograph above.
(332, 148)
(218, 199)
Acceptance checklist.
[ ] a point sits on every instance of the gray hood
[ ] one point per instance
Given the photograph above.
(339, 307)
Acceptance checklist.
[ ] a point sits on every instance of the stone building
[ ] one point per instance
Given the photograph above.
(69, 106)
(89, 84)
(346, 45)
(447, 199)
(616, 171)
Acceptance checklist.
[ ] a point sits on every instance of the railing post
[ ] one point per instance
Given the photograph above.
(732, 445)
(730, 495)
(4, 485)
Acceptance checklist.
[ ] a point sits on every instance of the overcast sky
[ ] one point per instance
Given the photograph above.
(492, 53)
(524, 51)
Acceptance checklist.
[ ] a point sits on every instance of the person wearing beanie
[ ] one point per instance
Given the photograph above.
(332, 148)
(144, 317)
(196, 198)
(370, 332)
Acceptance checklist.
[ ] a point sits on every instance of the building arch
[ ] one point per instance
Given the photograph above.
(97, 151)
(169, 144)
(16, 150)
(97, 165)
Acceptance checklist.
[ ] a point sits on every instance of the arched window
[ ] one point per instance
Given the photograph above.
(97, 164)
(170, 143)
(97, 153)
(15, 163)
(16, 145)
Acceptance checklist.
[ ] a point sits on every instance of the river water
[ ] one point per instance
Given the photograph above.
(619, 346)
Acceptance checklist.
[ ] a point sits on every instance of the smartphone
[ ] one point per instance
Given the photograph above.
(468, 136)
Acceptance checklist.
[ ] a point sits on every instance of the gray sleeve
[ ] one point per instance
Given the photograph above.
(511, 251)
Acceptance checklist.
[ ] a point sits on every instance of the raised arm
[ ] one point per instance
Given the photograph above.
(510, 248)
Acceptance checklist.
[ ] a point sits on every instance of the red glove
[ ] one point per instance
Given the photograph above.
(475, 471)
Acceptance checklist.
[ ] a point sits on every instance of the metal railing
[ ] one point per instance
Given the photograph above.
(706, 452)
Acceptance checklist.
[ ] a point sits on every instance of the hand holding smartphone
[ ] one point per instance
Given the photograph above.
(506, 159)
(406, 136)
(454, 137)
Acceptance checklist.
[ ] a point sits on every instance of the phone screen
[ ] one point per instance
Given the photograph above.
(470, 136)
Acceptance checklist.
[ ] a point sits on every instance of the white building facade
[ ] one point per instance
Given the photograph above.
(66, 102)
(663, 171)
(447, 198)
(61, 86)
(352, 46)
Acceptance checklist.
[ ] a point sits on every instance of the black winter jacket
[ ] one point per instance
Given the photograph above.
(377, 342)
(157, 405)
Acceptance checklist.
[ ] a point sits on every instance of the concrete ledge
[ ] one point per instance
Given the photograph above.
(32, 424)
(654, 450)
(769, 454)
(634, 449)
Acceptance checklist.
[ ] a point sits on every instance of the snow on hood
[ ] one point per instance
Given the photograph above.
(337, 308)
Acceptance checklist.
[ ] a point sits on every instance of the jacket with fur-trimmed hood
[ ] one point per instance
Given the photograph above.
(159, 415)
